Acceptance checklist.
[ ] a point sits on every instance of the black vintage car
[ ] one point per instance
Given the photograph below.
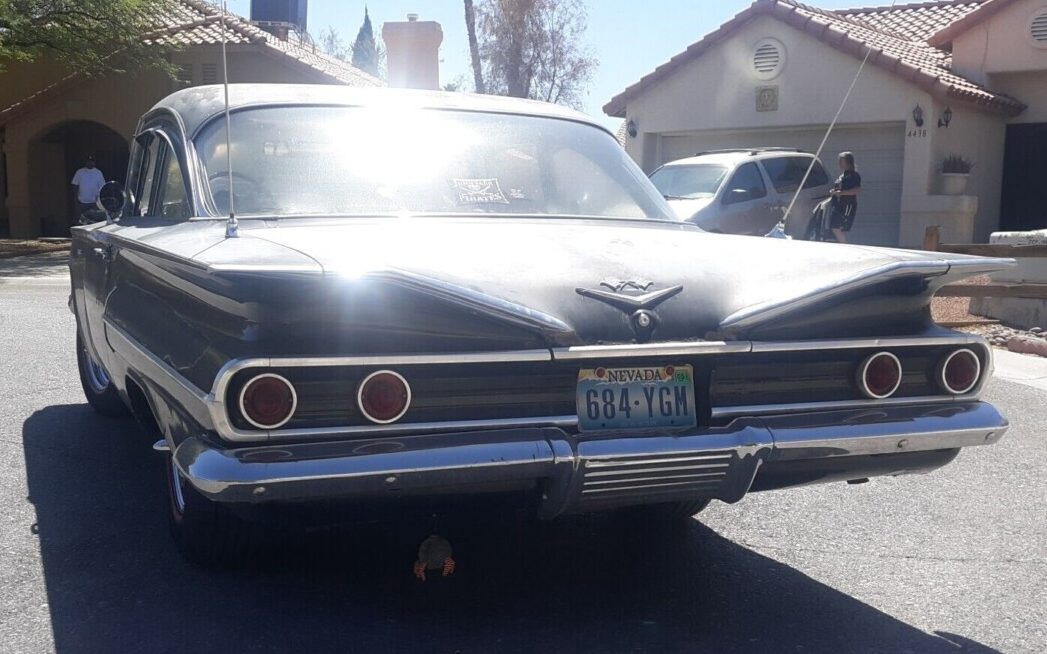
(431, 295)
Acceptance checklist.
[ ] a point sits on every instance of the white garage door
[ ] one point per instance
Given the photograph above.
(878, 151)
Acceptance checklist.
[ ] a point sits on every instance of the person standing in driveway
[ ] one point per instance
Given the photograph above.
(845, 197)
(88, 181)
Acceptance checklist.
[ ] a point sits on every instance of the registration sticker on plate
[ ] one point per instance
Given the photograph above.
(635, 398)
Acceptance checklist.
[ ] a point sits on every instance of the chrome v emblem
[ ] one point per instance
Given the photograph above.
(631, 302)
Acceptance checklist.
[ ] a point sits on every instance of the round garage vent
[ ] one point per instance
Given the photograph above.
(768, 58)
(1038, 28)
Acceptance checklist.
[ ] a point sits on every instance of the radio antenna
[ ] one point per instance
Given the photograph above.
(818, 153)
(231, 225)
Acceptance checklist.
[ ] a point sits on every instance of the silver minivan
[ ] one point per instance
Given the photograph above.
(744, 191)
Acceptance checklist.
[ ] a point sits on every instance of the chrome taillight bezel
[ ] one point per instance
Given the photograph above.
(943, 381)
(360, 397)
(863, 368)
(276, 425)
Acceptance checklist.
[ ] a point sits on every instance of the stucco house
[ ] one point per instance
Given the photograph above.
(50, 119)
(966, 77)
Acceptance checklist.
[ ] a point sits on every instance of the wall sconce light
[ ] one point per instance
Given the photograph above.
(630, 128)
(946, 118)
(917, 115)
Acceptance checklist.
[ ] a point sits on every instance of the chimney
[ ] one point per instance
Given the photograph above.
(412, 51)
(280, 17)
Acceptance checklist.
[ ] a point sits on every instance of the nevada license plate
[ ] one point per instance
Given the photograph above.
(635, 398)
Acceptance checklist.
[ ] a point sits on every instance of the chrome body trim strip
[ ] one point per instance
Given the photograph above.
(192, 399)
(209, 409)
(856, 343)
(227, 431)
(886, 431)
(633, 466)
(764, 311)
(980, 265)
(680, 348)
(805, 407)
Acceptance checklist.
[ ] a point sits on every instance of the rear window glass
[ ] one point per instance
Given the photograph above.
(786, 173)
(306, 160)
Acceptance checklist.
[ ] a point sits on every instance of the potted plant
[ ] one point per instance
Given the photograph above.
(955, 171)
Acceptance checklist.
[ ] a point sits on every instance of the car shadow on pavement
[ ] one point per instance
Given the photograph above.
(49, 264)
(115, 582)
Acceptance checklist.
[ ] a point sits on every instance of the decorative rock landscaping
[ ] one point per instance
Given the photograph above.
(1030, 341)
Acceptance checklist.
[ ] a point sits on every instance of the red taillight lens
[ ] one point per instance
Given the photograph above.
(959, 372)
(268, 401)
(880, 375)
(383, 396)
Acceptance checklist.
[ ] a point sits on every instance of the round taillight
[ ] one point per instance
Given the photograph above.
(383, 396)
(959, 372)
(880, 375)
(268, 401)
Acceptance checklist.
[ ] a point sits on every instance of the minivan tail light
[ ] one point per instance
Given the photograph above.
(268, 401)
(960, 371)
(880, 375)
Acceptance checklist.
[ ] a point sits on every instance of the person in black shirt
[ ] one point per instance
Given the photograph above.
(845, 197)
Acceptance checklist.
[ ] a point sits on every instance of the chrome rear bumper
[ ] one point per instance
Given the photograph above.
(579, 474)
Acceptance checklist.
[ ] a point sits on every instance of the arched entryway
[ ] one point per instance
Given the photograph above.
(55, 155)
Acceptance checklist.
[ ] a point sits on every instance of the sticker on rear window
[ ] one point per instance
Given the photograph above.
(479, 191)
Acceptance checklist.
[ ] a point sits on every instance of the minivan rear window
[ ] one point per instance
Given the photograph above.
(786, 173)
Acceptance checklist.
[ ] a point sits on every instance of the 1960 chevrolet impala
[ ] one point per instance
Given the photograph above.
(433, 295)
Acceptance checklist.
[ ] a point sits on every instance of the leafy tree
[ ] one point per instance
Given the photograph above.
(459, 83)
(365, 50)
(474, 48)
(535, 49)
(83, 34)
(331, 43)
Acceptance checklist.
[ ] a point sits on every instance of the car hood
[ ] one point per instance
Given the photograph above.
(686, 209)
(578, 281)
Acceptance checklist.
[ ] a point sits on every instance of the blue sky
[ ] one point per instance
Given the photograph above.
(629, 38)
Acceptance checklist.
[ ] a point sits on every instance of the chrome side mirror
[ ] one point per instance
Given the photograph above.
(111, 199)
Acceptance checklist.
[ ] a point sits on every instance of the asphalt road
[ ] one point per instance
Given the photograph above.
(954, 561)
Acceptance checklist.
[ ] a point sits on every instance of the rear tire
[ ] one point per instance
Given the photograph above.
(98, 388)
(207, 533)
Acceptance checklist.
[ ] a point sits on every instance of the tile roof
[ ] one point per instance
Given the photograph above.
(195, 22)
(895, 36)
(948, 32)
(185, 23)
(913, 22)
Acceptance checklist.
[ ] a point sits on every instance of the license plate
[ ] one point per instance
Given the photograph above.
(635, 398)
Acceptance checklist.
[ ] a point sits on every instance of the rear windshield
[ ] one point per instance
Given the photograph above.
(688, 181)
(371, 161)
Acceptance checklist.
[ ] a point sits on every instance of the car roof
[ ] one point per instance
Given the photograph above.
(732, 157)
(197, 105)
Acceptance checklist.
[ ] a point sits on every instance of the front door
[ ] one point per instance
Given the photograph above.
(745, 206)
(1022, 205)
(96, 248)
